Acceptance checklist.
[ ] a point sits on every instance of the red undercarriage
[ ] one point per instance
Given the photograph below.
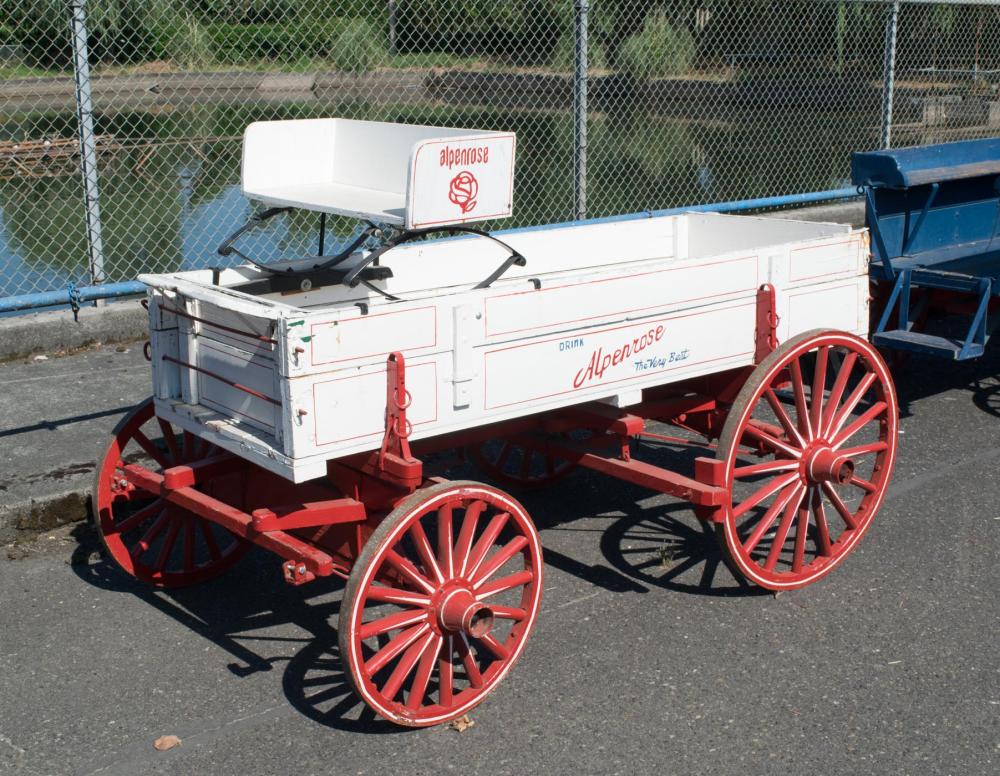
(320, 527)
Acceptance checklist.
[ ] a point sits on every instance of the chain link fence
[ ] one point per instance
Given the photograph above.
(121, 120)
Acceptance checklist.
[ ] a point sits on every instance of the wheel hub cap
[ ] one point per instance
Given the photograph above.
(824, 464)
(460, 611)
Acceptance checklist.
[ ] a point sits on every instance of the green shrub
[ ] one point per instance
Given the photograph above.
(659, 50)
(187, 43)
(357, 48)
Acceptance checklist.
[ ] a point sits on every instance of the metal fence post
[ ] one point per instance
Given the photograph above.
(393, 46)
(889, 73)
(88, 142)
(580, 112)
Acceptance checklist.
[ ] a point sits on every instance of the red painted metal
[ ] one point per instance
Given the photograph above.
(455, 572)
(308, 515)
(766, 335)
(444, 578)
(805, 473)
(394, 459)
(156, 542)
(232, 519)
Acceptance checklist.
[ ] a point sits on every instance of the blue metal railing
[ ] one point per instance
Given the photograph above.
(74, 296)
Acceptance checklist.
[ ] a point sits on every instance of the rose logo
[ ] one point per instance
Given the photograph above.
(463, 190)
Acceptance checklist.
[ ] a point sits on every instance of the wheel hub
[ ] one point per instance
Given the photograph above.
(824, 464)
(458, 610)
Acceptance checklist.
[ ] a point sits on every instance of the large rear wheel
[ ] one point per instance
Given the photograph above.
(809, 446)
(147, 537)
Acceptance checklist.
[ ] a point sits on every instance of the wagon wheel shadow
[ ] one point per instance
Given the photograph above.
(666, 546)
(986, 396)
(222, 612)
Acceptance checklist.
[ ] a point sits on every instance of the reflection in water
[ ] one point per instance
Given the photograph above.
(171, 193)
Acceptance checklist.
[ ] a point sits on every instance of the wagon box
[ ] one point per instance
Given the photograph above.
(295, 403)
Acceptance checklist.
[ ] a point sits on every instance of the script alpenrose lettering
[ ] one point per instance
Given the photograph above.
(450, 157)
(600, 361)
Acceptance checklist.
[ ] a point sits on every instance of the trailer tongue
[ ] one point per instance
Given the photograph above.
(294, 404)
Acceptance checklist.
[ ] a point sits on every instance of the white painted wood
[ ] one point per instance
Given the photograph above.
(601, 312)
(399, 174)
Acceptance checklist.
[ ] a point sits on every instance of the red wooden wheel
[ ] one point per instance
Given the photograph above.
(151, 540)
(809, 446)
(519, 466)
(433, 616)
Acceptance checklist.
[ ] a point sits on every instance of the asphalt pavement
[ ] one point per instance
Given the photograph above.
(648, 657)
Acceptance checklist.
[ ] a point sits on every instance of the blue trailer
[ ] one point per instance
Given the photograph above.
(934, 218)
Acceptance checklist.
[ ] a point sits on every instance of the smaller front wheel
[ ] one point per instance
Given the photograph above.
(440, 602)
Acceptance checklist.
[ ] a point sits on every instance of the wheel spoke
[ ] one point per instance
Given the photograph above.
(849, 404)
(770, 516)
(505, 452)
(874, 447)
(818, 389)
(769, 489)
(864, 484)
(837, 392)
(469, 661)
(206, 532)
(392, 622)
(799, 549)
(509, 613)
(425, 551)
(466, 534)
(446, 673)
(140, 517)
(771, 441)
(394, 647)
(151, 450)
(499, 650)
(445, 540)
(168, 545)
(482, 546)
(142, 546)
(408, 570)
(782, 414)
(767, 467)
(864, 419)
(500, 557)
(405, 666)
(393, 595)
(504, 583)
(415, 698)
(822, 529)
(839, 505)
(799, 391)
(171, 439)
(781, 535)
(526, 463)
(189, 545)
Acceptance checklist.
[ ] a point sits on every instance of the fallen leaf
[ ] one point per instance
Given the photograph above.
(163, 743)
(462, 724)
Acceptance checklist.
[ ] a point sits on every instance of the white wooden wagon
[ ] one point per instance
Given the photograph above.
(293, 403)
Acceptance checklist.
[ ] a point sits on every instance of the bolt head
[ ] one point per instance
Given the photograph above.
(301, 569)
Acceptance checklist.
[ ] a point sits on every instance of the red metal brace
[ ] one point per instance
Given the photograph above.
(395, 459)
(766, 334)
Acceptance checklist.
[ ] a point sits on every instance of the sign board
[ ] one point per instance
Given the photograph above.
(455, 180)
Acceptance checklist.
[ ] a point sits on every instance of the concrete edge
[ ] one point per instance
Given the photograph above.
(56, 331)
(23, 521)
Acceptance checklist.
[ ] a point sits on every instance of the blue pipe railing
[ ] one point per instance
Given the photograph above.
(74, 296)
